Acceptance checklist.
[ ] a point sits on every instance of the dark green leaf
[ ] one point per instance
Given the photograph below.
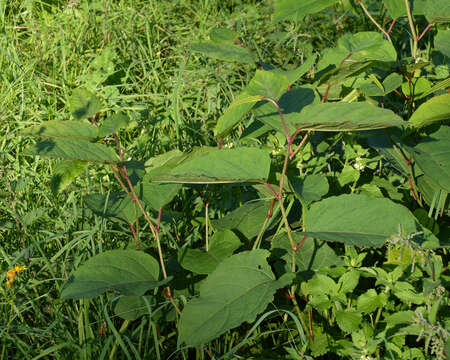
(366, 46)
(63, 129)
(435, 109)
(348, 320)
(65, 173)
(113, 123)
(133, 307)
(442, 42)
(129, 272)
(156, 195)
(83, 104)
(339, 74)
(223, 35)
(294, 9)
(226, 52)
(118, 206)
(238, 290)
(310, 187)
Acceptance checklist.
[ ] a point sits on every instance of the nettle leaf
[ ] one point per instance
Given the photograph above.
(348, 320)
(348, 281)
(113, 123)
(247, 219)
(313, 255)
(222, 245)
(63, 129)
(238, 290)
(65, 173)
(368, 46)
(442, 42)
(310, 187)
(293, 9)
(83, 104)
(266, 84)
(128, 272)
(215, 166)
(432, 155)
(370, 301)
(225, 52)
(360, 220)
(75, 149)
(343, 116)
(435, 109)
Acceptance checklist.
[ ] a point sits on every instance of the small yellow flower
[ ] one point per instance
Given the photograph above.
(11, 274)
(158, 53)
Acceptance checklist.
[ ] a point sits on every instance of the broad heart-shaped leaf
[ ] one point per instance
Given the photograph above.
(117, 206)
(397, 8)
(309, 188)
(64, 173)
(238, 290)
(312, 256)
(361, 220)
(366, 46)
(129, 272)
(246, 219)
(435, 109)
(63, 129)
(215, 166)
(226, 52)
(133, 307)
(442, 42)
(293, 9)
(83, 104)
(437, 11)
(432, 154)
(343, 116)
(75, 149)
(222, 245)
(113, 123)
(264, 84)
(156, 195)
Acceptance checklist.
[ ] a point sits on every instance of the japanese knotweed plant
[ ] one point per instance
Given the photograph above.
(291, 228)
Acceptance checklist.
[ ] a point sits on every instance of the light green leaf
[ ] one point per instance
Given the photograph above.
(246, 219)
(223, 35)
(419, 86)
(348, 175)
(113, 123)
(442, 42)
(400, 317)
(83, 104)
(348, 281)
(348, 320)
(65, 173)
(222, 245)
(63, 129)
(437, 11)
(310, 187)
(370, 301)
(215, 166)
(75, 149)
(129, 272)
(294, 9)
(225, 52)
(435, 109)
(345, 117)
(368, 46)
(238, 290)
(360, 220)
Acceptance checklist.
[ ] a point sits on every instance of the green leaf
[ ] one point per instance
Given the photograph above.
(419, 86)
(348, 320)
(296, 74)
(390, 83)
(406, 292)
(129, 272)
(432, 154)
(437, 11)
(397, 8)
(313, 255)
(309, 188)
(348, 175)
(222, 245)
(113, 123)
(435, 109)
(65, 173)
(400, 317)
(293, 9)
(357, 219)
(339, 74)
(223, 35)
(238, 290)
(83, 104)
(226, 52)
(370, 301)
(366, 46)
(345, 117)
(75, 149)
(117, 206)
(215, 166)
(133, 307)
(156, 195)
(442, 42)
(246, 219)
(63, 129)
(348, 281)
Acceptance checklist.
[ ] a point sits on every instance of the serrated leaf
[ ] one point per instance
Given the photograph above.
(129, 272)
(343, 116)
(113, 123)
(75, 149)
(310, 187)
(348, 320)
(238, 290)
(293, 9)
(65, 173)
(348, 281)
(83, 104)
(63, 129)
(360, 220)
(222, 245)
(215, 166)
(320, 345)
(312, 256)
(370, 301)
(247, 219)
(433, 110)
(226, 52)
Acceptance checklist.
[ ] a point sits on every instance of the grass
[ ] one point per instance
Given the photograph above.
(134, 55)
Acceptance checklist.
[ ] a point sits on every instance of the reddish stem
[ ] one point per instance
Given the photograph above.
(272, 190)
(270, 212)
(286, 132)
(134, 236)
(300, 244)
(159, 220)
(425, 31)
(391, 26)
